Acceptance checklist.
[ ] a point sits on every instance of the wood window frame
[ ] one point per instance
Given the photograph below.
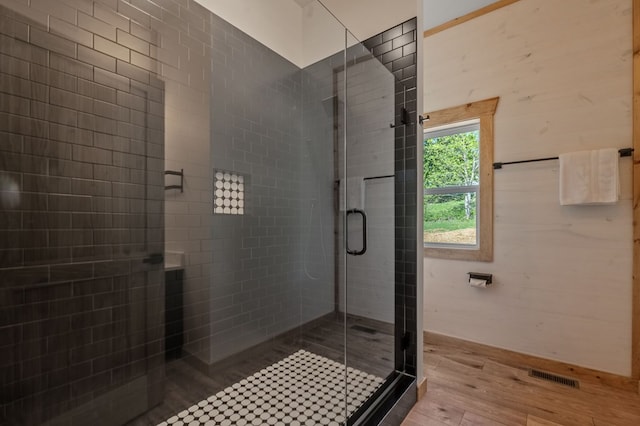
(635, 320)
(484, 111)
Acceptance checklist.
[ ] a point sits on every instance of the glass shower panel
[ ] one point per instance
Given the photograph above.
(81, 225)
(259, 311)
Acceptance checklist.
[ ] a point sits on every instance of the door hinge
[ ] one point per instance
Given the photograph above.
(406, 341)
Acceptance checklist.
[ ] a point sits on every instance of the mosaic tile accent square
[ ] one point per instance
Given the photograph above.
(228, 193)
(304, 389)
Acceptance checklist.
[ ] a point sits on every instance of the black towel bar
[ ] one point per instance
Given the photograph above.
(624, 152)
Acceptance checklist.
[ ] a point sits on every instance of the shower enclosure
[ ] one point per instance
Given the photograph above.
(195, 229)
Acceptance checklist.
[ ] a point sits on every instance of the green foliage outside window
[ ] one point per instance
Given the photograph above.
(451, 160)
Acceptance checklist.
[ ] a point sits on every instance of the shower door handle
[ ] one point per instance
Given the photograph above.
(364, 233)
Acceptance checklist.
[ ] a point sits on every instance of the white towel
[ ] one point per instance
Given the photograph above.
(589, 177)
(354, 198)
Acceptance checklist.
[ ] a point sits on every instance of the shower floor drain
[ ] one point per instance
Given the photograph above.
(364, 329)
(550, 377)
(302, 389)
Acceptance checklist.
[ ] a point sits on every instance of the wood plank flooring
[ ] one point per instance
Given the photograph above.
(369, 349)
(468, 388)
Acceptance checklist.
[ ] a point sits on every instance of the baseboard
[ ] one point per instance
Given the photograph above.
(520, 360)
(421, 389)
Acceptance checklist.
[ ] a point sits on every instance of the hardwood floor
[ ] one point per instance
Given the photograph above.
(467, 388)
(369, 349)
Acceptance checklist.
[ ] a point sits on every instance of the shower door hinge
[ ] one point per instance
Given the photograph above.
(406, 341)
(404, 119)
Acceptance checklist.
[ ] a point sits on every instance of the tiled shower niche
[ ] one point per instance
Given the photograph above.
(228, 192)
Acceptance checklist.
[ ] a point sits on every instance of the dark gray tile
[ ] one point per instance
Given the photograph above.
(108, 15)
(91, 187)
(70, 203)
(409, 49)
(111, 80)
(91, 319)
(15, 105)
(91, 253)
(13, 28)
(132, 42)
(133, 72)
(383, 48)
(73, 237)
(24, 276)
(404, 62)
(148, 7)
(110, 48)
(96, 26)
(392, 55)
(97, 91)
(54, 114)
(110, 268)
(145, 62)
(70, 100)
(137, 15)
(21, 87)
(96, 286)
(22, 163)
(71, 272)
(404, 40)
(11, 258)
(409, 26)
(47, 184)
(392, 33)
(13, 66)
(46, 256)
(58, 10)
(70, 66)
(95, 58)
(52, 42)
(22, 50)
(69, 134)
(70, 31)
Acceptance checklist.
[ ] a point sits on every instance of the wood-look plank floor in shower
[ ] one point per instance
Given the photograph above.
(368, 351)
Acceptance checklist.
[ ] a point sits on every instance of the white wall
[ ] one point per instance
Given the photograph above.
(366, 18)
(275, 23)
(562, 275)
(307, 35)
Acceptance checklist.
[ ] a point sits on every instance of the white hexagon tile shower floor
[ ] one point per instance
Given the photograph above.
(303, 389)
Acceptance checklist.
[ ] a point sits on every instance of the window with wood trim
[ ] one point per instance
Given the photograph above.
(458, 182)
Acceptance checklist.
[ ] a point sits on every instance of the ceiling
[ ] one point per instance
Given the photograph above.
(438, 12)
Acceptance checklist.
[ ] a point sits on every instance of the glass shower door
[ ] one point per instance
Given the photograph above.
(367, 229)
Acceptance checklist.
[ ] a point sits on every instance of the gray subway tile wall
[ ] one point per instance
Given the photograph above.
(259, 285)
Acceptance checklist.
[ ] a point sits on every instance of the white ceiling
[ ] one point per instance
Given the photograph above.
(438, 12)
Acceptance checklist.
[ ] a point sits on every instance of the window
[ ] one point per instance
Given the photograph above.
(458, 182)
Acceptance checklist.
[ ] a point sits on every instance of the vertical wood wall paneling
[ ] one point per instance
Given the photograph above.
(635, 341)
(545, 253)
